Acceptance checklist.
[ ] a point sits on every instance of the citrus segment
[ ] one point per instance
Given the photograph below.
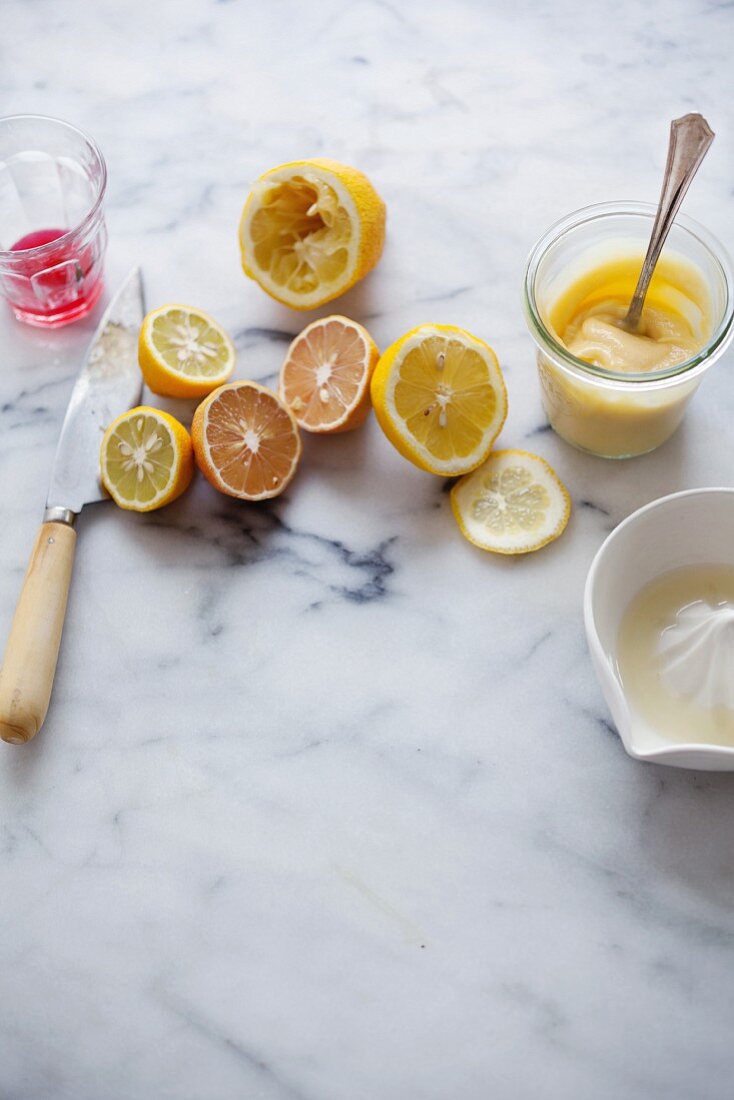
(325, 379)
(310, 230)
(246, 442)
(440, 398)
(184, 352)
(512, 504)
(146, 459)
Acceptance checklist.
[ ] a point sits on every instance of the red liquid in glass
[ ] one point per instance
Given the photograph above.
(56, 281)
(37, 238)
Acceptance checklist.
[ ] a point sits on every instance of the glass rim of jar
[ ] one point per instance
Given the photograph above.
(649, 379)
(89, 217)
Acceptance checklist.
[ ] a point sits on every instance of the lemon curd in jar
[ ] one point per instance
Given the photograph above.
(604, 393)
(584, 316)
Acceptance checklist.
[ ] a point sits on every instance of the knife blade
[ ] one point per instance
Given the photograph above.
(108, 384)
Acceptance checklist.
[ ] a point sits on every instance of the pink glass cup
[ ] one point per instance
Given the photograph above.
(52, 231)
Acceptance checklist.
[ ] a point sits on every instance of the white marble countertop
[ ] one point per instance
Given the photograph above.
(328, 804)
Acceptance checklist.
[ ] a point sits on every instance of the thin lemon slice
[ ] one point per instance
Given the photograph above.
(440, 398)
(513, 504)
(310, 230)
(146, 459)
(183, 352)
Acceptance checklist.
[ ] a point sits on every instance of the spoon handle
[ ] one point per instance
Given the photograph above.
(690, 138)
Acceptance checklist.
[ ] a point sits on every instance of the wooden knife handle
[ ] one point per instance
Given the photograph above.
(29, 665)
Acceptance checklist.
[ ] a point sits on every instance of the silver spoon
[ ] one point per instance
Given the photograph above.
(690, 138)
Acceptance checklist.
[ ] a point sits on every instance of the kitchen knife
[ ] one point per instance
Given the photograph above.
(108, 384)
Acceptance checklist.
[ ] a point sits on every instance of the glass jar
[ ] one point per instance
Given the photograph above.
(610, 413)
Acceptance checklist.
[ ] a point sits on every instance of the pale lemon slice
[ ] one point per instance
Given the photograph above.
(184, 352)
(440, 398)
(310, 230)
(146, 459)
(513, 504)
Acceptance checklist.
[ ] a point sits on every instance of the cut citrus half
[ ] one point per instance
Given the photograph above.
(325, 379)
(184, 352)
(440, 398)
(146, 459)
(246, 441)
(310, 230)
(513, 504)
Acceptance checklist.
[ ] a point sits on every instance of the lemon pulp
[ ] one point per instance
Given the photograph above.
(189, 344)
(301, 233)
(444, 396)
(439, 396)
(140, 457)
(510, 501)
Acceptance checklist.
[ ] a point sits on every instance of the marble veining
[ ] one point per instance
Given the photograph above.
(328, 804)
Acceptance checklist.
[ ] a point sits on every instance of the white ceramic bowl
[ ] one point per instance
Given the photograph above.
(688, 528)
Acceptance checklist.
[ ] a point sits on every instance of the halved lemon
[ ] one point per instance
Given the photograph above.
(310, 230)
(325, 378)
(513, 504)
(440, 398)
(246, 441)
(183, 352)
(146, 459)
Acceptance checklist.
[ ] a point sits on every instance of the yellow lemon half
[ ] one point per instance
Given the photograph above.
(512, 504)
(146, 459)
(440, 398)
(310, 230)
(183, 352)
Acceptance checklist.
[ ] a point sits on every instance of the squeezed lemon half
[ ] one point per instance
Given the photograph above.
(512, 504)
(310, 230)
